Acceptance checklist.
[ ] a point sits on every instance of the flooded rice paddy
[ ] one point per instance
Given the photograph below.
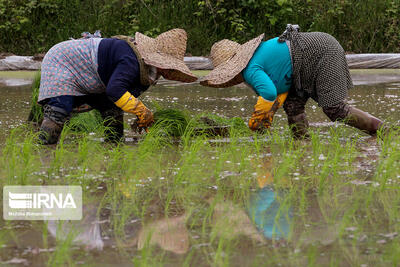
(248, 200)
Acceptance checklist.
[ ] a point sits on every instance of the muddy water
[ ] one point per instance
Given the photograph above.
(378, 95)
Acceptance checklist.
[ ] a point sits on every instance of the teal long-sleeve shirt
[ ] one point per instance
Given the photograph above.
(269, 71)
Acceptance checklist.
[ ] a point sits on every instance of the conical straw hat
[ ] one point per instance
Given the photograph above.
(166, 52)
(229, 59)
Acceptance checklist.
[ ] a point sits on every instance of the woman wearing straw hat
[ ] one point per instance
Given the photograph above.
(108, 74)
(293, 67)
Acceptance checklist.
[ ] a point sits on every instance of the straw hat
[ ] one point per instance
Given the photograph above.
(166, 52)
(229, 59)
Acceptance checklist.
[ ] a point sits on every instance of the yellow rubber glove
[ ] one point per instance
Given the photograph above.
(131, 104)
(264, 112)
(281, 99)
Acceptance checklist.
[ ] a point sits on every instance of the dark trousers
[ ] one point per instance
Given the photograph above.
(58, 110)
(294, 107)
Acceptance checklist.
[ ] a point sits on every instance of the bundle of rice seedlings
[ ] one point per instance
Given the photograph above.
(170, 122)
(221, 125)
(86, 122)
(175, 123)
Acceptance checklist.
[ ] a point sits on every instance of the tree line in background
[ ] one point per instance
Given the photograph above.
(33, 26)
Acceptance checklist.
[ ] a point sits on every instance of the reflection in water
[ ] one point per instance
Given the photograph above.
(85, 232)
(266, 212)
(230, 221)
(263, 220)
(169, 234)
(265, 209)
(270, 211)
(266, 217)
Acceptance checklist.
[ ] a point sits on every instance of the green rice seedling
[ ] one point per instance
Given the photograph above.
(312, 256)
(86, 122)
(18, 156)
(59, 156)
(149, 256)
(155, 139)
(5, 235)
(189, 258)
(86, 163)
(36, 113)
(239, 126)
(223, 126)
(172, 122)
(222, 253)
(63, 252)
(129, 191)
(388, 166)
(186, 175)
(189, 132)
(45, 234)
(391, 253)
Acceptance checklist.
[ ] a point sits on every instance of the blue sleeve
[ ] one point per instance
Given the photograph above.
(256, 77)
(123, 78)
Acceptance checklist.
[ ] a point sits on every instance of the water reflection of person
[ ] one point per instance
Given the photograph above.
(272, 213)
(266, 209)
(265, 217)
(108, 74)
(269, 215)
(288, 70)
(170, 234)
(230, 221)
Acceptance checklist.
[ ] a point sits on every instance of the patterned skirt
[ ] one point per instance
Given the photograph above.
(320, 69)
(70, 68)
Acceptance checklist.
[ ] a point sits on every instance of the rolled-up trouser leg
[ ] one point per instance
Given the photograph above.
(52, 124)
(294, 107)
(353, 117)
(114, 124)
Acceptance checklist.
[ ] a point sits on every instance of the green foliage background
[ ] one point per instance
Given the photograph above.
(33, 26)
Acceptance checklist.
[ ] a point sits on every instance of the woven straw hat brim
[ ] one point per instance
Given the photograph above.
(227, 74)
(178, 71)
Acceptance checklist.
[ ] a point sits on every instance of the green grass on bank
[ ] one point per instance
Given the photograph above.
(199, 73)
(376, 71)
(20, 74)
